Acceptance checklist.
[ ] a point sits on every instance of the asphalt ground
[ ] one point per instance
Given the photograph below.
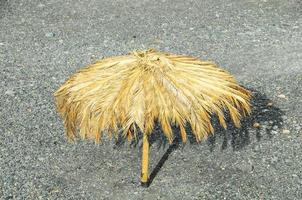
(43, 42)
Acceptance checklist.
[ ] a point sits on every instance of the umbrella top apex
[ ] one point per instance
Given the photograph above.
(149, 53)
(144, 52)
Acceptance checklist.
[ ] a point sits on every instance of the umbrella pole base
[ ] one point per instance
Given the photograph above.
(145, 184)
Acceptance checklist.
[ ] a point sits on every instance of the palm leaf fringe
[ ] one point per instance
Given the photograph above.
(136, 90)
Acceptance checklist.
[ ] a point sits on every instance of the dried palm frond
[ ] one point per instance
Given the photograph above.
(136, 90)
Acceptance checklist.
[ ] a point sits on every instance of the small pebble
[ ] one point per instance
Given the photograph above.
(285, 131)
(287, 160)
(246, 167)
(270, 104)
(274, 159)
(50, 34)
(27, 157)
(256, 148)
(158, 41)
(282, 96)
(284, 117)
(41, 158)
(9, 92)
(256, 125)
(274, 132)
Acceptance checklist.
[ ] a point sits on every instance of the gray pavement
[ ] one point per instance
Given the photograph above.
(43, 42)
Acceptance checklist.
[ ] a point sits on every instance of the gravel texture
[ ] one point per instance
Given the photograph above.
(43, 42)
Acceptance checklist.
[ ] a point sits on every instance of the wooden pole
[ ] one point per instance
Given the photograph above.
(145, 161)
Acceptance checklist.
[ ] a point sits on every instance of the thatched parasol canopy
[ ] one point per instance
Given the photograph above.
(139, 89)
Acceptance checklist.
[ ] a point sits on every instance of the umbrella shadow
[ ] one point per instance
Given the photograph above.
(263, 112)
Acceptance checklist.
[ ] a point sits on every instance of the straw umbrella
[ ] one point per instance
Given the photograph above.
(125, 93)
